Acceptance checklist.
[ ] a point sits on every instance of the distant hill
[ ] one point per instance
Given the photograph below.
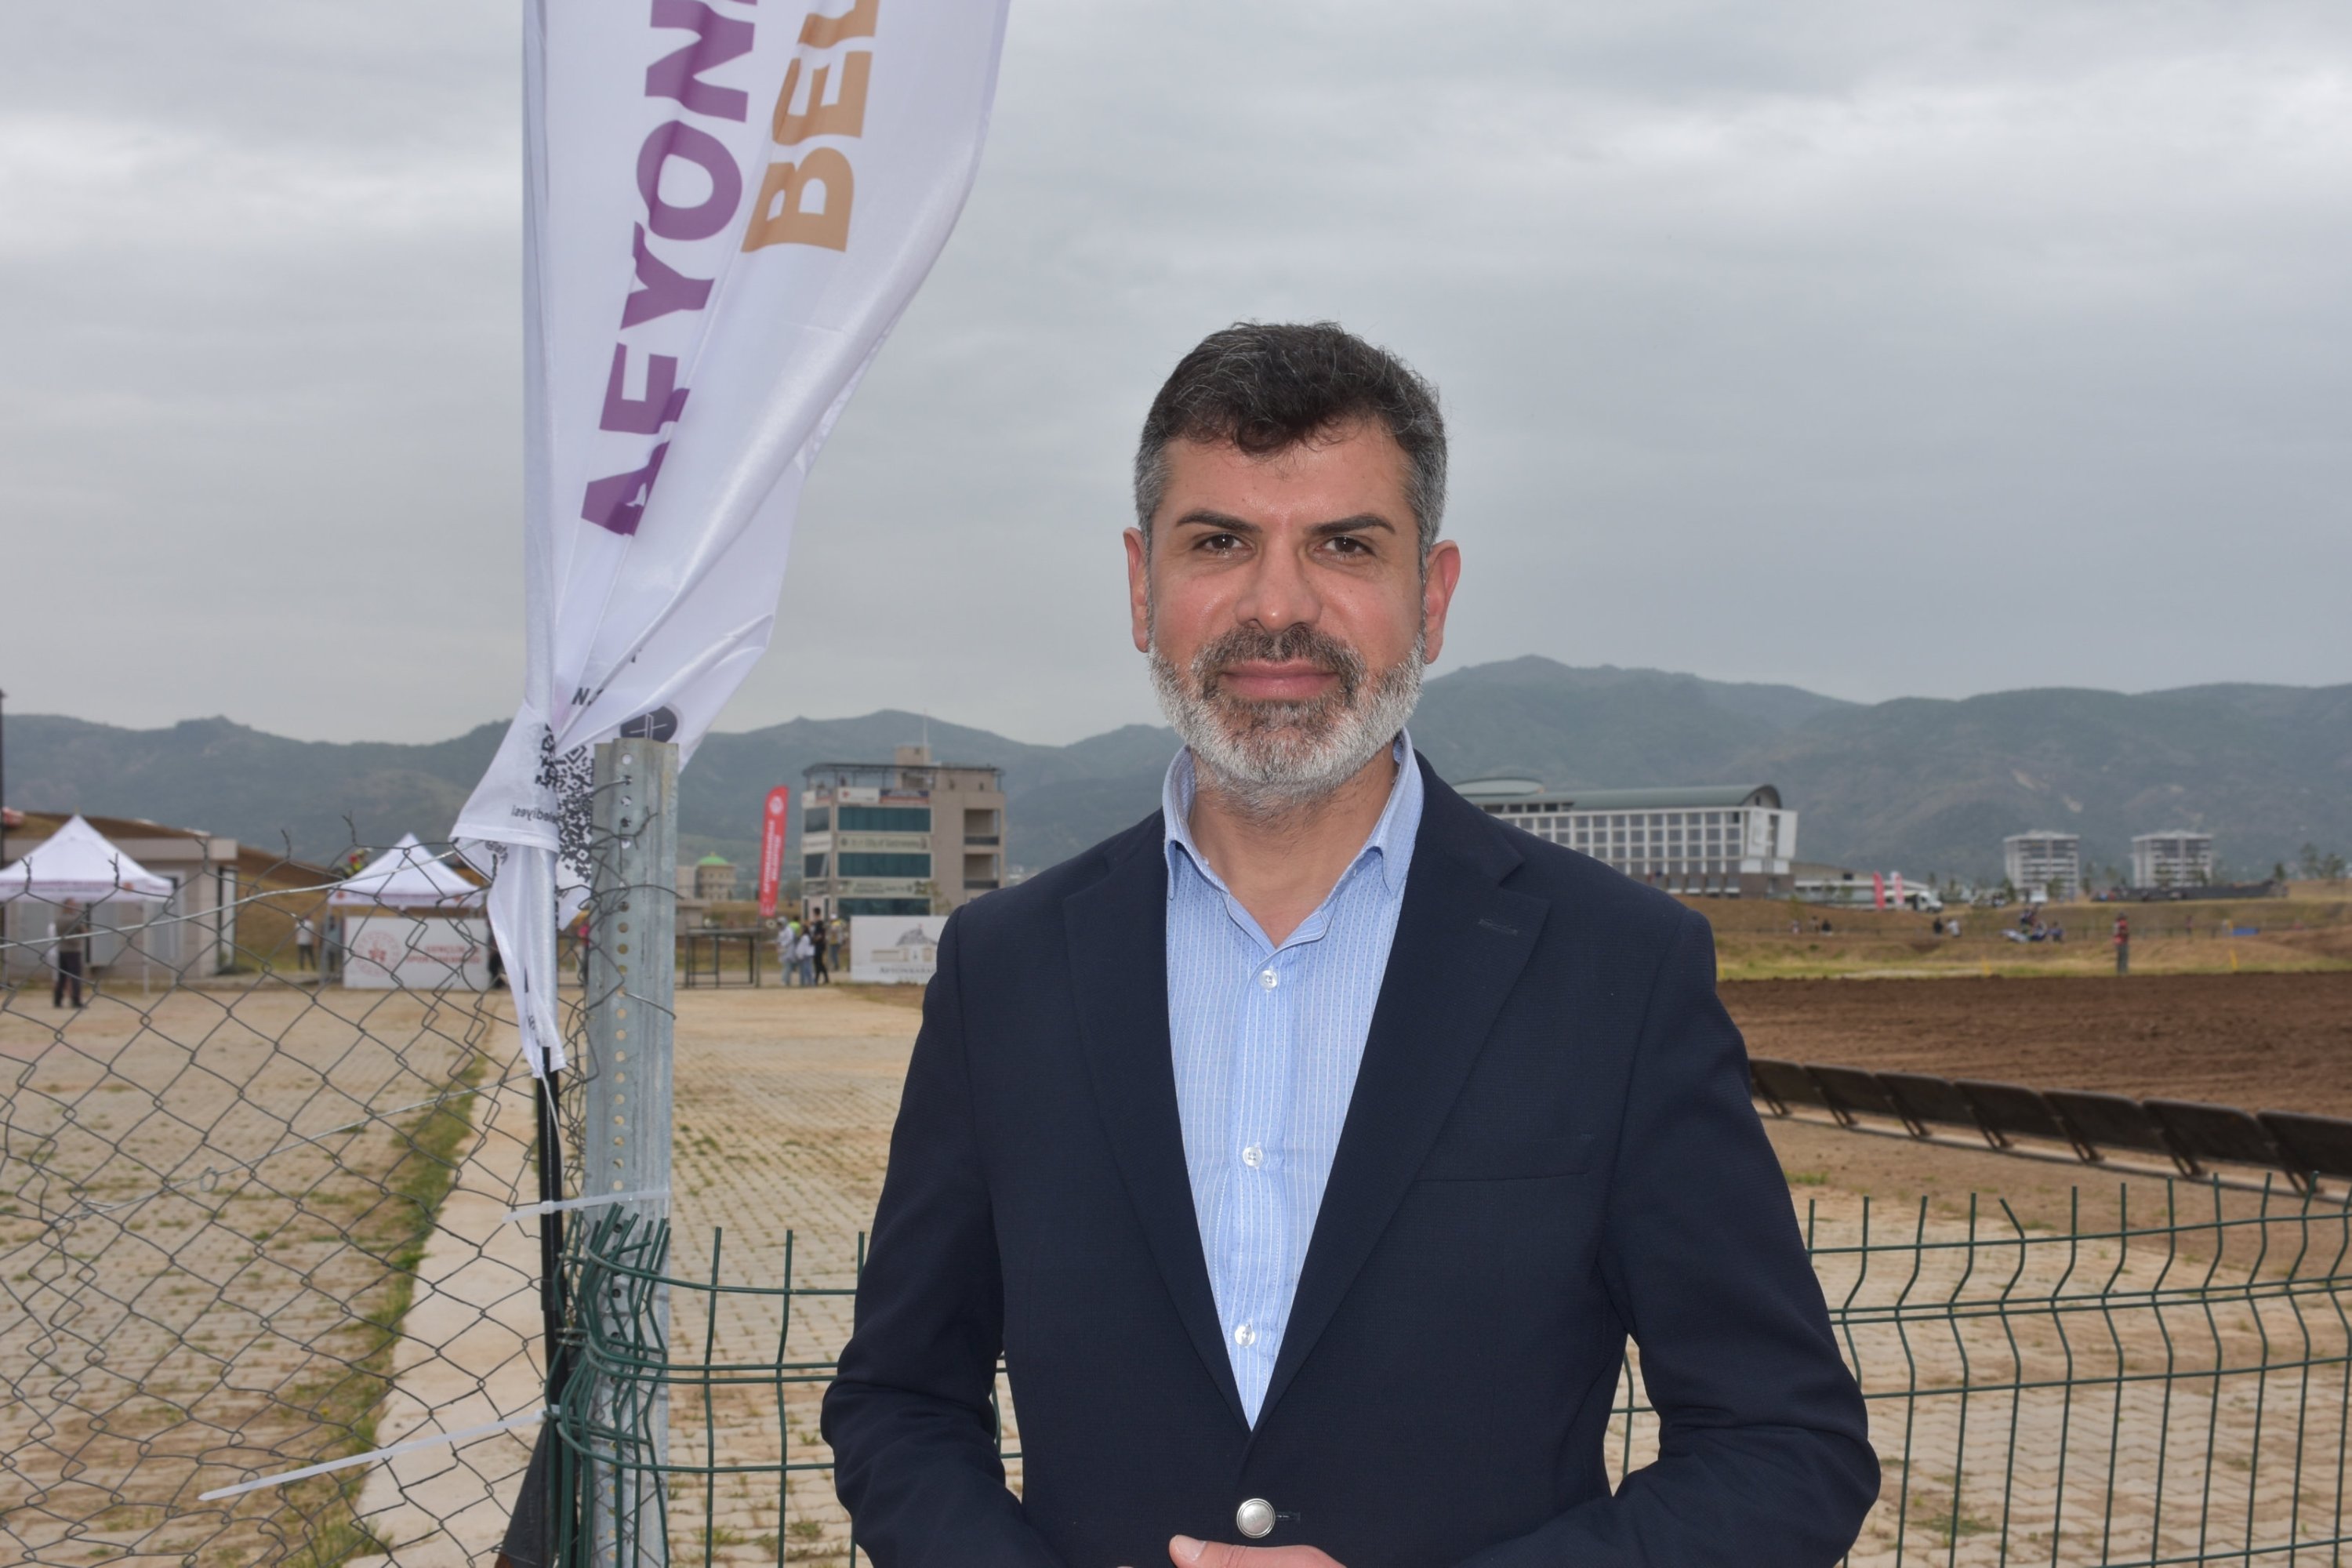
(1931, 786)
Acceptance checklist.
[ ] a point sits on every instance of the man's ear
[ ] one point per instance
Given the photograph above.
(1438, 580)
(1138, 587)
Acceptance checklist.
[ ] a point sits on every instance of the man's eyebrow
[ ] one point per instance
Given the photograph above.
(1359, 524)
(1202, 517)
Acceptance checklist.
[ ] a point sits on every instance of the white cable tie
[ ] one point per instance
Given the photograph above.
(411, 1446)
(597, 1201)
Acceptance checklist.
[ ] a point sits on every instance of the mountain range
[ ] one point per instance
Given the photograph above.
(1927, 786)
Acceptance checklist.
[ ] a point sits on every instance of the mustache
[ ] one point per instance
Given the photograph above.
(1295, 642)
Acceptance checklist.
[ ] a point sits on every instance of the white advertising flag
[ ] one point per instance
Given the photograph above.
(727, 206)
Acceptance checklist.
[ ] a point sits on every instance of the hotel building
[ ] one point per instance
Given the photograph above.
(1725, 840)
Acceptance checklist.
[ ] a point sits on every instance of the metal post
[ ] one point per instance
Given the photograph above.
(632, 975)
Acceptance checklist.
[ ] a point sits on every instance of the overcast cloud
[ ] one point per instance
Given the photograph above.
(1927, 349)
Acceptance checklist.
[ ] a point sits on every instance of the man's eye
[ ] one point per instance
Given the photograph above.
(1349, 544)
(1221, 541)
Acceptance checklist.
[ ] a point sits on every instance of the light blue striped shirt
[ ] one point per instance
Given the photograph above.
(1267, 1042)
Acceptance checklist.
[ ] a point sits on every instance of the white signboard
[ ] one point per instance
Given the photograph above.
(895, 950)
(410, 952)
(883, 843)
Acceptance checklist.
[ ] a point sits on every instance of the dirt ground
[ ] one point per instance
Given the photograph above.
(1762, 939)
(2259, 1041)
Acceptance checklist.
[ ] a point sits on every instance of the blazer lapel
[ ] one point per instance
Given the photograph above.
(1117, 930)
(1461, 942)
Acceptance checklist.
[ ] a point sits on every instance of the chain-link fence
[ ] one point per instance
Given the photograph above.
(259, 1160)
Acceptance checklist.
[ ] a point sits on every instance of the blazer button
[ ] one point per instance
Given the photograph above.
(1255, 1518)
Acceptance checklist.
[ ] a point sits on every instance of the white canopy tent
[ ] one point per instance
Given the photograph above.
(406, 877)
(414, 934)
(78, 862)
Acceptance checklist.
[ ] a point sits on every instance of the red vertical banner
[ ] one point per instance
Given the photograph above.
(1878, 890)
(771, 849)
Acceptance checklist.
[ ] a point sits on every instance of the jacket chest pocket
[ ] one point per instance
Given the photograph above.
(1507, 1159)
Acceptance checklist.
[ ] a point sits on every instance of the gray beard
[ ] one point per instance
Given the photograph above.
(1269, 760)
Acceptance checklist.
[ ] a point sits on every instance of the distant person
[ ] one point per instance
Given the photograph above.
(820, 972)
(71, 933)
(2122, 944)
(787, 938)
(804, 956)
(306, 944)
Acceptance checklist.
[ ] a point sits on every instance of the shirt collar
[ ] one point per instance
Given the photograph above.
(1391, 839)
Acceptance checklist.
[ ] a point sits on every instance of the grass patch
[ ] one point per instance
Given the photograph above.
(1953, 1523)
(323, 1512)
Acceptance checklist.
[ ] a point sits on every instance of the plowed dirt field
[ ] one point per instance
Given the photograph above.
(2260, 1041)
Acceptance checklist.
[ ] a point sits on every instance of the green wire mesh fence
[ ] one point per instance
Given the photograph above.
(2127, 1391)
(690, 1427)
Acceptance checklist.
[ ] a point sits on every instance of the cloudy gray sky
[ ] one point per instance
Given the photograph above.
(1929, 349)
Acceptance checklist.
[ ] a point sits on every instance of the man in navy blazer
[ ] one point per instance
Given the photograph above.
(1310, 1150)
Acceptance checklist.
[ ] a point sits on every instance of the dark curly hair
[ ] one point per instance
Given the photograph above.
(1268, 387)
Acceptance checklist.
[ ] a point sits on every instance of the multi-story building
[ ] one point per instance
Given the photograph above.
(2044, 865)
(712, 879)
(909, 836)
(2177, 860)
(1728, 840)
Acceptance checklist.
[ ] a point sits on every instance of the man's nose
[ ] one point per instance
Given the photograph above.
(1280, 592)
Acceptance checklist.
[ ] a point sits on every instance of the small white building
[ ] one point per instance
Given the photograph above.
(1729, 840)
(2176, 859)
(2044, 865)
(1818, 884)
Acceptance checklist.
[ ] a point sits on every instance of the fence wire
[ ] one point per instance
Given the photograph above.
(252, 1221)
(2127, 1391)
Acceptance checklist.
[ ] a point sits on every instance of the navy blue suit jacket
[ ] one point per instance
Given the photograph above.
(1550, 1147)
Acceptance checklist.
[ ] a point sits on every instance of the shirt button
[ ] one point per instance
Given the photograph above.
(1244, 1336)
(1254, 1156)
(1267, 978)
